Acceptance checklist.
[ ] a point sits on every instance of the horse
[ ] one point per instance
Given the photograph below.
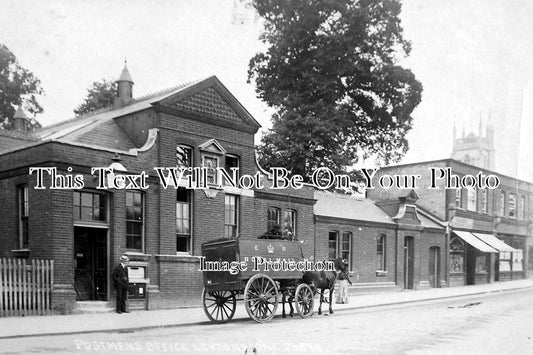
(287, 295)
(323, 280)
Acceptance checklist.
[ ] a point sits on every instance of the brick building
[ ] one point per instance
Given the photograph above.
(489, 226)
(391, 245)
(397, 242)
(85, 230)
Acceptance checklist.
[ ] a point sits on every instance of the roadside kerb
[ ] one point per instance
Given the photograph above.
(18, 327)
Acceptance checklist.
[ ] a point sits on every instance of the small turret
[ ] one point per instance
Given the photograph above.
(125, 88)
(21, 121)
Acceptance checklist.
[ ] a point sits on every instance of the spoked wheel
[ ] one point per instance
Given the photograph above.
(219, 306)
(304, 301)
(261, 298)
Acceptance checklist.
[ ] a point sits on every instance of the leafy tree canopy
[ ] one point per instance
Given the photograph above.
(100, 95)
(331, 73)
(18, 87)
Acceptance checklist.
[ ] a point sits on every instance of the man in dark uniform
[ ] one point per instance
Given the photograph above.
(120, 281)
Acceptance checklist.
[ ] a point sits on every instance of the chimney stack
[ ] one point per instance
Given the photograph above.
(125, 89)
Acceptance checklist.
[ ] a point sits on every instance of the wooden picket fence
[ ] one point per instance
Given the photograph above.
(25, 288)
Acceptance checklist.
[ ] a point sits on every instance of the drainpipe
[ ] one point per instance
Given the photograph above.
(451, 215)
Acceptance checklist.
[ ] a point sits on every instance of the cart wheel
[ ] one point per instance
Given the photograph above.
(304, 301)
(219, 306)
(261, 298)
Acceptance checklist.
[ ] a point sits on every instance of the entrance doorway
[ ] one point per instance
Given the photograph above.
(90, 259)
(471, 266)
(409, 262)
(434, 267)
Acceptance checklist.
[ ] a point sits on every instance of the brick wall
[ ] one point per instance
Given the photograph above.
(363, 247)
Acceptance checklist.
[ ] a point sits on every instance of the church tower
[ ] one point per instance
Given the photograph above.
(475, 149)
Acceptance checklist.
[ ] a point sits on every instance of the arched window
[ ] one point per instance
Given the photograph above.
(183, 156)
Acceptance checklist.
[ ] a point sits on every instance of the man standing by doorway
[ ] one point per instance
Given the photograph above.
(120, 281)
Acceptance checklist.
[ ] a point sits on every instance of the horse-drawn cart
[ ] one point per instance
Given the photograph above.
(256, 270)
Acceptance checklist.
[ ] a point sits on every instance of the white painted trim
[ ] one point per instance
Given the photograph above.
(150, 141)
(238, 191)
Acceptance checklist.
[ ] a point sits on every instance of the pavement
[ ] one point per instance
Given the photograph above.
(15, 327)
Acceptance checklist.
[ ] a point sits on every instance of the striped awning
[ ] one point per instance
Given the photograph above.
(475, 242)
(495, 242)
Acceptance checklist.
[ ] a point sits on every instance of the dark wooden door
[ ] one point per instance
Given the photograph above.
(90, 260)
(409, 262)
(434, 266)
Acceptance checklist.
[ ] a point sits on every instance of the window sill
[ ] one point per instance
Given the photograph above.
(381, 273)
(178, 258)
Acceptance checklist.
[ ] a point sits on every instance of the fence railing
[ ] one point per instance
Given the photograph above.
(25, 287)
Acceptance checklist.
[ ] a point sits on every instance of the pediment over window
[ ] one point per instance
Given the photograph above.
(212, 146)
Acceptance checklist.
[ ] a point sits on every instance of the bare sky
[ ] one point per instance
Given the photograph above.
(473, 58)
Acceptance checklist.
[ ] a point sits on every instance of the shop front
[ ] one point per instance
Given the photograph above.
(471, 260)
(509, 262)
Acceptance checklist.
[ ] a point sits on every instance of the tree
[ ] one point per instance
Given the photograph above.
(18, 87)
(331, 73)
(99, 96)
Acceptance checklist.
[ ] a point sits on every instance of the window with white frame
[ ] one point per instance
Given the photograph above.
(340, 246)
(273, 220)
(512, 206)
(381, 252)
(134, 220)
(90, 206)
(346, 248)
(333, 239)
(471, 203)
(522, 209)
(289, 224)
(24, 207)
(183, 156)
(231, 216)
(502, 204)
(184, 221)
(458, 198)
(232, 161)
(484, 203)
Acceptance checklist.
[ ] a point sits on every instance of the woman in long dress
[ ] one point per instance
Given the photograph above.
(344, 279)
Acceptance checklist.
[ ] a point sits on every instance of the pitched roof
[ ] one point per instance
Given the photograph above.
(427, 220)
(105, 115)
(14, 139)
(330, 204)
(100, 129)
